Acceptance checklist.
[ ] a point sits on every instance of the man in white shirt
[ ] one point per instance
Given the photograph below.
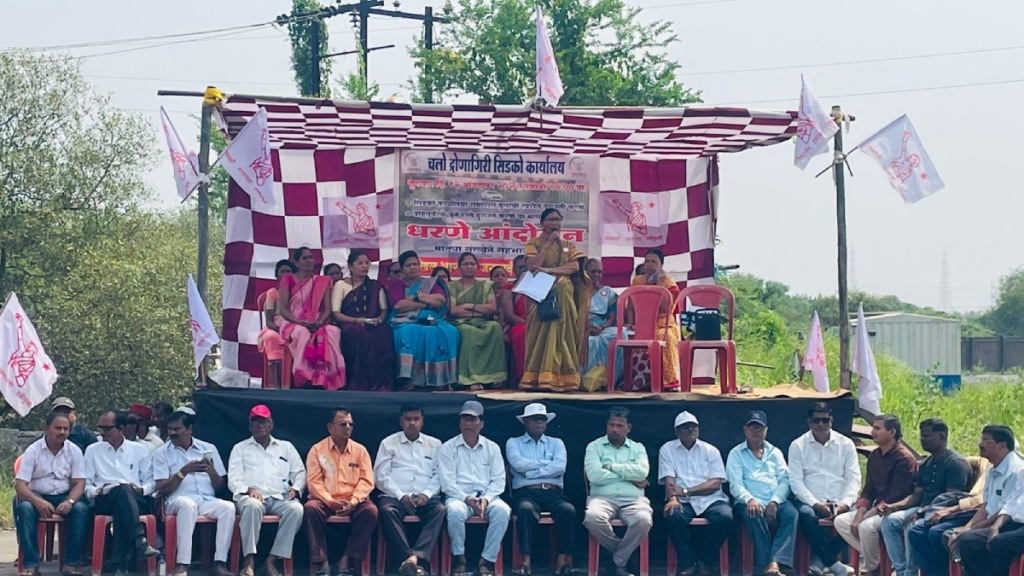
(472, 475)
(989, 549)
(51, 482)
(538, 462)
(119, 480)
(824, 475)
(266, 476)
(188, 473)
(692, 472)
(406, 474)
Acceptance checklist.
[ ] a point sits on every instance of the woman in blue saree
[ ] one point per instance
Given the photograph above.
(601, 317)
(425, 343)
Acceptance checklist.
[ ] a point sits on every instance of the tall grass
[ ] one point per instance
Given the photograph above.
(909, 396)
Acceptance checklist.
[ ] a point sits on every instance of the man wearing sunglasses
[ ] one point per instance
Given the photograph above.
(825, 478)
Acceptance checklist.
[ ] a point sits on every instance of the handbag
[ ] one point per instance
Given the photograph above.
(547, 309)
(704, 324)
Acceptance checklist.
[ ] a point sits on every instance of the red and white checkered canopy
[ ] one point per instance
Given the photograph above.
(688, 132)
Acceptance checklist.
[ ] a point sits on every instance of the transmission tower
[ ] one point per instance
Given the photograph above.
(945, 293)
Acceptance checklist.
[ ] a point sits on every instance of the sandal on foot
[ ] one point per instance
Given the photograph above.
(247, 572)
(523, 571)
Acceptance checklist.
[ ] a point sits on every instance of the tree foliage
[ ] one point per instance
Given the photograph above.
(102, 279)
(606, 57)
(1007, 315)
(302, 39)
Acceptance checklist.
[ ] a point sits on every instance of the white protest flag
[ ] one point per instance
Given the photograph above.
(869, 385)
(814, 126)
(814, 356)
(204, 335)
(899, 151)
(183, 160)
(247, 160)
(26, 373)
(549, 83)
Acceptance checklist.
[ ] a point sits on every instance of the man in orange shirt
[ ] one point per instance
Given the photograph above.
(339, 477)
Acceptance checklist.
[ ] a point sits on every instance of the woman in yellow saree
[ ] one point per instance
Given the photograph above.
(553, 346)
(654, 275)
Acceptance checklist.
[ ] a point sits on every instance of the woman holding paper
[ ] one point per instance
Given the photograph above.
(304, 305)
(654, 275)
(553, 345)
(482, 345)
(425, 343)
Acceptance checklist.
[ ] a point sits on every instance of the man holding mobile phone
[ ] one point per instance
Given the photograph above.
(189, 479)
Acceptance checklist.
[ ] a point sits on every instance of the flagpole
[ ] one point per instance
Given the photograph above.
(844, 303)
(203, 257)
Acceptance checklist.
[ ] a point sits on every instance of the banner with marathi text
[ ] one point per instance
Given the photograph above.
(488, 204)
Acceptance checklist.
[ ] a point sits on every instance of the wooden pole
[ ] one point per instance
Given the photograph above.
(204, 211)
(844, 304)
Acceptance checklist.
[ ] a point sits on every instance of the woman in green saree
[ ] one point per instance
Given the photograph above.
(482, 348)
(553, 346)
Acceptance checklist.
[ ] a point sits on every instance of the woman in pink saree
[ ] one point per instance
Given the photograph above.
(315, 343)
(269, 341)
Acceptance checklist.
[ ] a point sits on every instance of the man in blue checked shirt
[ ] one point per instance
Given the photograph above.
(759, 481)
(538, 466)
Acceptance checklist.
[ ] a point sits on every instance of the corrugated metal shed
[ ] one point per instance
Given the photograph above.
(928, 344)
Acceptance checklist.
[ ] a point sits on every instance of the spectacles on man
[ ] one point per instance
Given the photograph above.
(106, 428)
(824, 420)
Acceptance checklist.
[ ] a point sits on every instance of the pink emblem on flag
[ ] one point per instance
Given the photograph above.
(183, 160)
(247, 159)
(27, 373)
(898, 150)
(814, 356)
(549, 83)
(204, 335)
(814, 127)
(360, 222)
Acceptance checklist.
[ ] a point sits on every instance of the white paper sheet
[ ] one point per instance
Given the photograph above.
(536, 286)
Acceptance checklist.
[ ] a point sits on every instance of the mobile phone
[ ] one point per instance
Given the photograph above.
(208, 456)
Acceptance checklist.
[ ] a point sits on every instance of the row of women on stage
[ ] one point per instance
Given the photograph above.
(416, 332)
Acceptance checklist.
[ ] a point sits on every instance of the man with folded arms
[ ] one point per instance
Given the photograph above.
(692, 472)
(538, 463)
(119, 479)
(824, 475)
(473, 477)
(188, 474)
(406, 474)
(340, 478)
(891, 473)
(617, 468)
(50, 482)
(266, 476)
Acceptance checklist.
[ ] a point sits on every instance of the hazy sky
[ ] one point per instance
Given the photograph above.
(775, 221)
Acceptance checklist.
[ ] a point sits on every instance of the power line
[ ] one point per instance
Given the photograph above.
(682, 4)
(98, 43)
(215, 82)
(849, 62)
(881, 92)
(160, 45)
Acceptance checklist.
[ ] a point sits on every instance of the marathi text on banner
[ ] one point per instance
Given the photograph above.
(487, 204)
(365, 222)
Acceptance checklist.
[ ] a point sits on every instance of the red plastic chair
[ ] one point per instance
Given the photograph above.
(709, 296)
(647, 303)
(366, 565)
(44, 538)
(382, 549)
(99, 541)
(723, 553)
(205, 525)
(236, 547)
(446, 549)
(802, 557)
(286, 358)
(594, 548)
(545, 520)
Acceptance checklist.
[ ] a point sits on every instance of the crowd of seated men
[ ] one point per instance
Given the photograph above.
(920, 510)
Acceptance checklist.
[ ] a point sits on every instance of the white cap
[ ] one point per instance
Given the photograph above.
(536, 409)
(186, 410)
(685, 417)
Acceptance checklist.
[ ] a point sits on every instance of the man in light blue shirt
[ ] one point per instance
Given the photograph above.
(472, 475)
(759, 482)
(617, 469)
(538, 462)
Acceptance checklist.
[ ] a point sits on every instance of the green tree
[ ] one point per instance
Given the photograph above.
(1007, 315)
(302, 34)
(604, 54)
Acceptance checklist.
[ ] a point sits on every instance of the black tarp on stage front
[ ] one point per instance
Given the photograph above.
(300, 416)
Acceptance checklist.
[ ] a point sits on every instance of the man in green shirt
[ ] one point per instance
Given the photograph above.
(617, 469)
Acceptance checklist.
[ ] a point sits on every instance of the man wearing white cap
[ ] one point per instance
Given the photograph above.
(617, 468)
(538, 464)
(692, 472)
(472, 475)
(266, 475)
